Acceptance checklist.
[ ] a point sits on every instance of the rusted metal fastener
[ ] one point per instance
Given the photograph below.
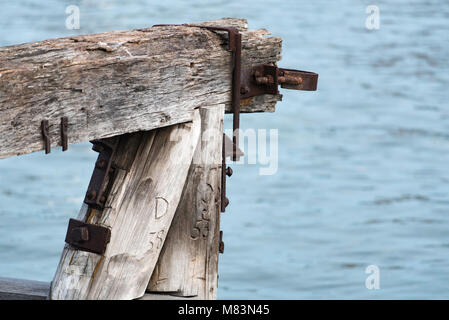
(226, 202)
(102, 177)
(80, 234)
(87, 237)
(64, 136)
(229, 171)
(101, 164)
(46, 136)
(244, 89)
(265, 79)
(290, 78)
(91, 194)
(221, 244)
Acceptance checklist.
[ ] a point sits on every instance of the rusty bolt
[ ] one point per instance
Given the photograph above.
(261, 80)
(264, 80)
(102, 199)
(244, 89)
(91, 194)
(229, 171)
(101, 164)
(80, 234)
(289, 78)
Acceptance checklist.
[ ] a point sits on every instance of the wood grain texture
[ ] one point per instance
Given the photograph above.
(19, 289)
(188, 262)
(121, 82)
(151, 171)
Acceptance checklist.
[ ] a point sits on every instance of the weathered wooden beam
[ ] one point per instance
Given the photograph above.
(19, 289)
(151, 169)
(120, 82)
(188, 262)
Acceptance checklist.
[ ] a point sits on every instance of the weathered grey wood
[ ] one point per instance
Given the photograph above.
(120, 82)
(19, 289)
(152, 168)
(188, 262)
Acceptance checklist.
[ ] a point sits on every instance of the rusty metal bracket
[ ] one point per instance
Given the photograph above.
(87, 237)
(265, 79)
(228, 151)
(100, 182)
(46, 135)
(64, 136)
(221, 243)
(224, 199)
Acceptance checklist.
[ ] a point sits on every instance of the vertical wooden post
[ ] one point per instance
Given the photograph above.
(188, 263)
(151, 171)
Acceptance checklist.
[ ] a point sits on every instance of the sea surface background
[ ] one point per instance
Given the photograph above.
(362, 175)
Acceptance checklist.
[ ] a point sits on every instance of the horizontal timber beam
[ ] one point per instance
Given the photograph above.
(120, 82)
(20, 289)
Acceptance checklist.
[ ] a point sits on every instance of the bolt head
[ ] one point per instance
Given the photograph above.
(229, 171)
(101, 164)
(91, 194)
(244, 89)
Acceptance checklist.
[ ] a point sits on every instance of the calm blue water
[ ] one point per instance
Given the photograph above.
(362, 175)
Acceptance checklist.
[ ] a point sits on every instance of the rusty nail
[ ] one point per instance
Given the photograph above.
(64, 137)
(46, 135)
(229, 171)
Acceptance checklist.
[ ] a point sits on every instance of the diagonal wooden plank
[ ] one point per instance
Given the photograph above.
(188, 262)
(151, 171)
